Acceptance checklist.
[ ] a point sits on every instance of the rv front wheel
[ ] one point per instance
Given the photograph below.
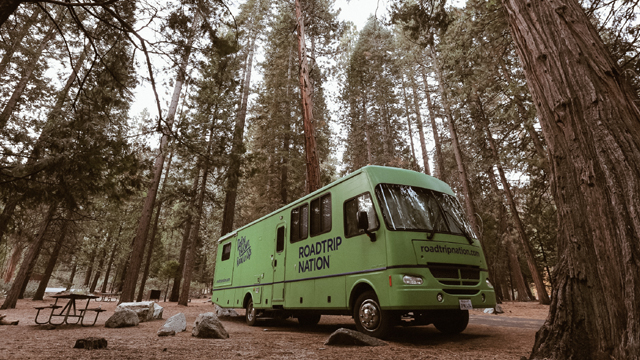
(250, 314)
(452, 321)
(369, 317)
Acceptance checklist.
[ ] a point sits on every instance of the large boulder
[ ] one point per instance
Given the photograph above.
(175, 324)
(123, 318)
(220, 312)
(344, 336)
(207, 325)
(146, 310)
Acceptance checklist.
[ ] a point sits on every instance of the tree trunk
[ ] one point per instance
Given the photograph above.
(87, 275)
(15, 44)
(28, 262)
(233, 174)
(145, 274)
(142, 232)
(423, 146)
(592, 130)
(110, 263)
(72, 276)
(27, 72)
(8, 7)
(406, 110)
(365, 119)
(464, 179)
(13, 261)
(53, 259)
(183, 299)
(436, 138)
(543, 297)
(313, 164)
(96, 277)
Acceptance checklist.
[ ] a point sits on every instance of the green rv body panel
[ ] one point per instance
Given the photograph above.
(328, 269)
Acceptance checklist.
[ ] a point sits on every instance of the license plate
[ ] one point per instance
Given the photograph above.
(465, 304)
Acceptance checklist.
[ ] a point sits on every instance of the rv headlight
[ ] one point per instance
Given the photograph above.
(489, 284)
(412, 280)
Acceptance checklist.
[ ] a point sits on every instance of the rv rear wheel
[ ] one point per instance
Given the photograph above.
(369, 317)
(250, 314)
(309, 319)
(452, 321)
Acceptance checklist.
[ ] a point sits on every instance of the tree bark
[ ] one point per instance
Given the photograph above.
(592, 130)
(28, 262)
(51, 264)
(543, 297)
(24, 30)
(27, 72)
(233, 174)
(313, 163)
(142, 232)
(423, 146)
(13, 261)
(436, 138)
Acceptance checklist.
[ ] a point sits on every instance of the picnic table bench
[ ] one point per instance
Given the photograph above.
(69, 310)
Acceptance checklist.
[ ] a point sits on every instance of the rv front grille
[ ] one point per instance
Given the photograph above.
(454, 274)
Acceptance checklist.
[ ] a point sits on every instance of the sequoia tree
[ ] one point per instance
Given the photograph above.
(592, 129)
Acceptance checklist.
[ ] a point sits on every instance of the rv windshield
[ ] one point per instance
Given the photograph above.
(413, 208)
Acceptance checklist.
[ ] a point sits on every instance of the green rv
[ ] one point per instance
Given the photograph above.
(387, 246)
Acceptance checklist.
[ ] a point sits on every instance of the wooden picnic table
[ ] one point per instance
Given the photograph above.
(69, 310)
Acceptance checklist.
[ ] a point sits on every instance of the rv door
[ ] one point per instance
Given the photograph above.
(278, 266)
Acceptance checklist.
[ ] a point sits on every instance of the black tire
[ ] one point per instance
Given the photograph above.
(370, 318)
(250, 314)
(309, 319)
(452, 321)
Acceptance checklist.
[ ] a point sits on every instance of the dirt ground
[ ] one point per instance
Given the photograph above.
(282, 339)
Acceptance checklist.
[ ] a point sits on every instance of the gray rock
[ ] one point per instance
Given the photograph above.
(344, 336)
(91, 343)
(495, 310)
(166, 332)
(207, 325)
(146, 310)
(122, 318)
(177, 323)
(157, 311)
(220, 312)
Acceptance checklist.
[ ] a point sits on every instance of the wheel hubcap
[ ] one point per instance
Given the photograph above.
(250, 312)
(369, 315)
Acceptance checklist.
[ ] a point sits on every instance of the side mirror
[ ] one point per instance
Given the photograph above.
(363, 224)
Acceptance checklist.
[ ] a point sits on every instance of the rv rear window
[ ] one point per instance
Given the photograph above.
(321, 215)
(299, 223)
(226, 251)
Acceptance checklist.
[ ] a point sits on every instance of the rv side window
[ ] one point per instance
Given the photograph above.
(226, 251)
(280, 239)
(321, 215)
(352, 207)
(299, 223)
